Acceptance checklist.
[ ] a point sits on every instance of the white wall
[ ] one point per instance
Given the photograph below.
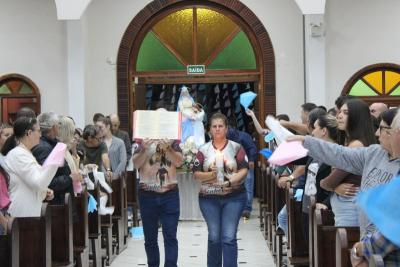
(107, 21)
(283, 21)
(359, 33)
(33, 43)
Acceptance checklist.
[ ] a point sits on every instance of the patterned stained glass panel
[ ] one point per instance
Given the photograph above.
(4, 89)
(375, 79)
(396, 91)
(360, 88)
(391, 80)
(14, 86)
(176, 31)
(154, 56)
(26, 89)
(229, 58)
(212, 29)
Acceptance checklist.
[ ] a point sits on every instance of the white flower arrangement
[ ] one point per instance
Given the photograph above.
(189, 151)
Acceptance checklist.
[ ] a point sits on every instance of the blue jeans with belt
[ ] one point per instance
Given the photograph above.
(222, 215)
(164, 208)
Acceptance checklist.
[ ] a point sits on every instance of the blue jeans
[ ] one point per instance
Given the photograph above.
(249, 184)
(345, 210)
(283, 220)
(222, 215)
(162, 208)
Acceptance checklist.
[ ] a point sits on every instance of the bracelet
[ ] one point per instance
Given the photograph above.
(291, 178)
(108, 169)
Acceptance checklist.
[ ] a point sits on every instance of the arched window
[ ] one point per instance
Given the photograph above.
(376, 83)
(195, 36)
(17, 91)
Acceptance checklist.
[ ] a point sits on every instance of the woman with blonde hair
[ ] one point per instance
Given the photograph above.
(66, 135)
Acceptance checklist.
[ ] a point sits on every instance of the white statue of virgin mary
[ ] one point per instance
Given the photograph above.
(192, 118)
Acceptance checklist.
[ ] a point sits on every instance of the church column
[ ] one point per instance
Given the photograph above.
(76, 70)
(314, 38)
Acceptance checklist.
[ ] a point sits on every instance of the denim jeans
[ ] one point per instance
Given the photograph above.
(345, 210)
(222, 215)
(249, 184)
(283, 220)
(162, 208)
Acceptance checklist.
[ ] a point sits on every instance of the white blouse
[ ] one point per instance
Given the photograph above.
(28, 182)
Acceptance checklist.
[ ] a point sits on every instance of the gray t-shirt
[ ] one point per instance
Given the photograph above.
(372, 163)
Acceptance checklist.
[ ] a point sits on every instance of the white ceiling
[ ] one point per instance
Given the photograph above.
(71, 9)
(311, 6)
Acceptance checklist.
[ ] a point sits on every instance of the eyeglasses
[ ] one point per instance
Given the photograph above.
(382, 127)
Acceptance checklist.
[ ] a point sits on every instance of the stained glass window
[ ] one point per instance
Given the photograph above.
(377, 83)
(194, 36)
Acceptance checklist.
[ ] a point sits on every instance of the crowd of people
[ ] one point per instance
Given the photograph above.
(351, 148)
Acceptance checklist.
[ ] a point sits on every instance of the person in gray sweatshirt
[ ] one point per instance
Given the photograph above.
(377, 164)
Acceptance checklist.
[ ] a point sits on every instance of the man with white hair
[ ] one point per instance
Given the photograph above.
(62, 181)
(377, 108)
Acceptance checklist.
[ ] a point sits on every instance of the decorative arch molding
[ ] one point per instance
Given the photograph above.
(385, 98)
(253, 27)
(16, 76)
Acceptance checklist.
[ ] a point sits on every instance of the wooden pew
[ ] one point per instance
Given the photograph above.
(297, 247)
(345, 239)
(311, 230)
(95, 231)
(119, 215)
(106, 223)
(263, 198)
(35, 239)
(61, 233)
(9, 245)
(81, 230)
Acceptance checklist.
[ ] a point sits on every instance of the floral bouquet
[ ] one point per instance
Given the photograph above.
(189, 151)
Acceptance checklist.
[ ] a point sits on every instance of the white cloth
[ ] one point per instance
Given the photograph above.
(28, 182)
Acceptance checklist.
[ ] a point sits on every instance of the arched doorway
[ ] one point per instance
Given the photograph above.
(376, 83)
(133, 79)
(17, 91)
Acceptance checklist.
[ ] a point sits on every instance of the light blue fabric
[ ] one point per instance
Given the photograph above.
(92, 204)
(381, 205)
(283, 220)
(247, 98)
(249, 184)
(269, 137)
(266, 152)
(345, 210)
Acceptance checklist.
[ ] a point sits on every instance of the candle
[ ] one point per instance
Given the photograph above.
(219, 163)
(219, 159)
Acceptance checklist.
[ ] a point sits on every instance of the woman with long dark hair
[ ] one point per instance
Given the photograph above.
(355, 121)
(28, 180)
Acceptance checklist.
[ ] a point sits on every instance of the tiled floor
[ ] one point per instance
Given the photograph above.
(192, 238)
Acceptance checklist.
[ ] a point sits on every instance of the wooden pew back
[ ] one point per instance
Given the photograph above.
(297, 248)
(324, 238)
(9, 245)
(61, 232)
(35, 239)
(345, 239)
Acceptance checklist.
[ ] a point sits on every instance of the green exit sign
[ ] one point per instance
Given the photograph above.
(196, 69)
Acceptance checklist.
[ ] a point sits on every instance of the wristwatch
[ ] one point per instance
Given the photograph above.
(108, 169)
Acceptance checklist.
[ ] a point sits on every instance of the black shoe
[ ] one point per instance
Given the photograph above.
(246, 214)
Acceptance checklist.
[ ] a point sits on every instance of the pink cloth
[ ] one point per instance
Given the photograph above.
(287, 152)
(57, 156)
(4, 196)
(77, 187)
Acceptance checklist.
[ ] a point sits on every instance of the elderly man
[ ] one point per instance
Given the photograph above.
(62, 181)
(115, 123)
(377, 108)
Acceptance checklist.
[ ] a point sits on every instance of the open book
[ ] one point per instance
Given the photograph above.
(150, 124)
